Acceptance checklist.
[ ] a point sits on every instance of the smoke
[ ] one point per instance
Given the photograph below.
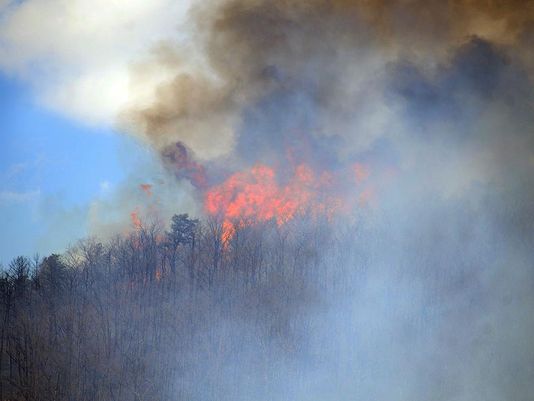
(437, 96)
(435, 100)
(262, 69)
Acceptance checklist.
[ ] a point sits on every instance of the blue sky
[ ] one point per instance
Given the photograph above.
(51, 168)
(58, 169)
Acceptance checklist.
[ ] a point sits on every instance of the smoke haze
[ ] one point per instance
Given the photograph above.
(437, 96)
(421, 115)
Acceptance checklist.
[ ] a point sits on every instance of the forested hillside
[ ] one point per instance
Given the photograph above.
(157, 315)
(314, 309)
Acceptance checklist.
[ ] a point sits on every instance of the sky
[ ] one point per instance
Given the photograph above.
(63, 80)
(52, 168)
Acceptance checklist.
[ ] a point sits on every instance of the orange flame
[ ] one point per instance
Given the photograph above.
(147, 189)
(136, 220)
(256, 195)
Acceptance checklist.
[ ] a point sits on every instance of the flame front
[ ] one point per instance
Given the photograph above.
(257, 196)
(262, 194)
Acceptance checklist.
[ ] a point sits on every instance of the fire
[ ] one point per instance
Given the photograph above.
(147, 189)
(136, 220)
(260, 194)
(257, 195)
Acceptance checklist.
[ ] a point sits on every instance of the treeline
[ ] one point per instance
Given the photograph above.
(170, 315)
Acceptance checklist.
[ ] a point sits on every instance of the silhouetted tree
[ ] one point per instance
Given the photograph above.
(112, 321)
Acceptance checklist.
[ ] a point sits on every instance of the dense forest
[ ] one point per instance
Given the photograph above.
(313, 309)
(156, 315)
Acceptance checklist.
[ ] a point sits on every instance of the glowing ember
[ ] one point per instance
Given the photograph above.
(147, 189)
(136, 220)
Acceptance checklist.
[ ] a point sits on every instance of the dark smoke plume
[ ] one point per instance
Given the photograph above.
(323, 64)
(435, 95)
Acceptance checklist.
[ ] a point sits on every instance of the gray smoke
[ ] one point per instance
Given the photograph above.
(439, 93)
